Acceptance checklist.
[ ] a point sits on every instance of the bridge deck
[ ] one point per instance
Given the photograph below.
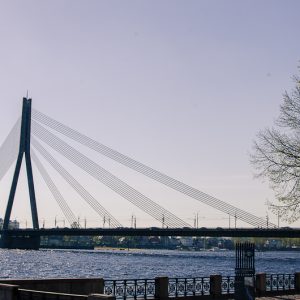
(153, 231)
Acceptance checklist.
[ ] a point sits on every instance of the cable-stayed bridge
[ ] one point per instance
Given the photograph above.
(34, 132)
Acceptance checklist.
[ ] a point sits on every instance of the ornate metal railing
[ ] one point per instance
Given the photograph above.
(182, 287)
(227, 284)
(280, 282)
(130, 288)
(179, 287)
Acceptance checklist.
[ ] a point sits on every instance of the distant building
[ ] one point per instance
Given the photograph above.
(12, 224)
(65, 242)
(186, 241)
(273, 244)
(174, 241)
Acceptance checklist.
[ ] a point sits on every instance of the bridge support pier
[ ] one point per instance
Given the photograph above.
(26, 242)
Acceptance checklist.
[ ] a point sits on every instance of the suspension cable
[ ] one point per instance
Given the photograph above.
(9, 149)
(116, 188)
(100, 210)
(69, 215)
(156, 175)
(99, 173)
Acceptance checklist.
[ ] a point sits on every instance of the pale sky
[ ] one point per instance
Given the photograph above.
(181, 86)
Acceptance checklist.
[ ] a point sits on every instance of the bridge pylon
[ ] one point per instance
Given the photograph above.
(24, 150)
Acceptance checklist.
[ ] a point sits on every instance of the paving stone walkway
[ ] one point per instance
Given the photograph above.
(287, 297)
(282, 297)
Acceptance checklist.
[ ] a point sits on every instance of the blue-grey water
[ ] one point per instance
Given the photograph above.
(121, 264)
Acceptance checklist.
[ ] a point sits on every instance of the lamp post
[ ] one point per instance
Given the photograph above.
(196, 219)
(278, 216)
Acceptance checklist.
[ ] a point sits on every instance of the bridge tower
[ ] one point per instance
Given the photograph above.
(8, 241)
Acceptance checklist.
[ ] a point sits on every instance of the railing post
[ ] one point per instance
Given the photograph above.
(101, 286)
(161, 288)
(297, 282)
(261, 280)
(216, 285)
(101, 297)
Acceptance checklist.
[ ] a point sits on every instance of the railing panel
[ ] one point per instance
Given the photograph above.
(280, 282)
(130, 288)
(180, 287)
(227, 285)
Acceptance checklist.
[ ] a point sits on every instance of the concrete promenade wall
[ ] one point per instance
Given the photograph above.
(84, 286)
(93, 289)
(39, 295)
(8, 292)
(13, 292)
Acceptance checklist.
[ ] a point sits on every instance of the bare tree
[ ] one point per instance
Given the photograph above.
(276, 156)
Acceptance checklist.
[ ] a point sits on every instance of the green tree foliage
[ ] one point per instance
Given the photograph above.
(276, 156)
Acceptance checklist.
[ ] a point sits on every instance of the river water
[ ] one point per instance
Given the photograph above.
(121, 264)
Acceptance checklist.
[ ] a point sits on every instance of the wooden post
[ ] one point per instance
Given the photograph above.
(297, 282)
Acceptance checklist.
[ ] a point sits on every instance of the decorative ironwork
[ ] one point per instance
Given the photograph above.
(180, 287)
(280, 282)
(244, 286)
(130, 288)
(227, 284)
(244, 259)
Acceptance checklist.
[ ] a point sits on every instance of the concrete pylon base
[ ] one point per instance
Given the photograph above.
(20, 242)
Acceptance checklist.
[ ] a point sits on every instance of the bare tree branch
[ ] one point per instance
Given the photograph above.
(276, 156)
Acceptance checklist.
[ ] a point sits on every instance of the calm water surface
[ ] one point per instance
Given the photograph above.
(120, 264)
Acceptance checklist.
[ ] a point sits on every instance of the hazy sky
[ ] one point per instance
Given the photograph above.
(182, 86)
